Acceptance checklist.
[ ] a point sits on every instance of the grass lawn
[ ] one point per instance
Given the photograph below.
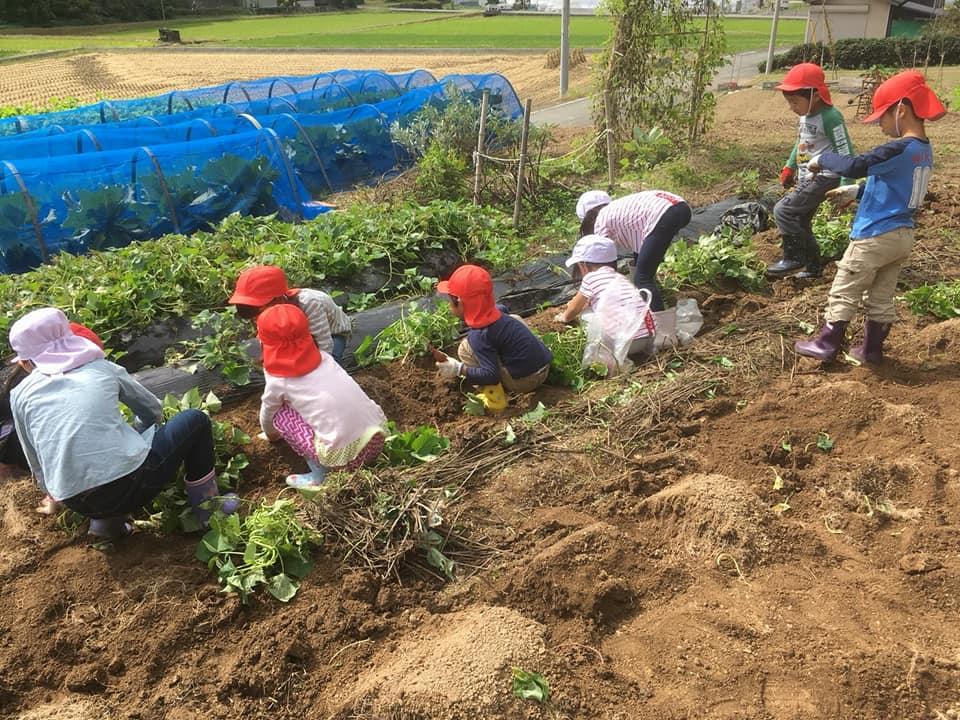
(366, 29)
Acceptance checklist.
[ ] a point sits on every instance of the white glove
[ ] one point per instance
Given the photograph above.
(449, 368)
(813, 164)
(843, 195)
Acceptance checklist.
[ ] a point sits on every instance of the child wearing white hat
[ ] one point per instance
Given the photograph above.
(643, 224)
(603, 287)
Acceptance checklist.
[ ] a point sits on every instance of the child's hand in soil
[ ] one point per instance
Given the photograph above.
(49, 506)
(449, 368)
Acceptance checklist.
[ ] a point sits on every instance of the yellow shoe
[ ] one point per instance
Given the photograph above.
(493, 397)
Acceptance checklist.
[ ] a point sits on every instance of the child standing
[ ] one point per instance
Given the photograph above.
(644, 224)
(882, 237)
(260, 287)
(596, 258)
(821, 128)
(499, 351)
(311, 402)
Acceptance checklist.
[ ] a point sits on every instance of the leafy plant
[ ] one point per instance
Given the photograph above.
(222, 349)
(832, 231)
(710, 261)
(566, 367)
(409, 336)
(105, 217)
(645, 150)
(170, 511)
(19, 250)
(420, 445)
(748, 184)
(529, 685)
(441, 175)
(825, 442)
(268, 547)
(942, 300)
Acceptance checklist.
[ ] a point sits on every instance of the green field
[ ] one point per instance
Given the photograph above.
(372, 29)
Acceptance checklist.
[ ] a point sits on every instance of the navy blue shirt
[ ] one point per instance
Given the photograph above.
(506, 342)
(897, 175)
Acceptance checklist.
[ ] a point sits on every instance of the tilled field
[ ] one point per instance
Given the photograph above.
(136, 73)
(670, 545)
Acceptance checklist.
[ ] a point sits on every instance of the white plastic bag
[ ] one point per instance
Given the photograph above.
(689, 320)
(610, 332)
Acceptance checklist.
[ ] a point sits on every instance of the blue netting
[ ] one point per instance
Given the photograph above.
(76, 188)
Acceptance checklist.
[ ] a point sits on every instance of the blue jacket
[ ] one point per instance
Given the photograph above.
(507, 342)
(897, 175)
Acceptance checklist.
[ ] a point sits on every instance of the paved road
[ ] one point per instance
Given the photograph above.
(738, 68)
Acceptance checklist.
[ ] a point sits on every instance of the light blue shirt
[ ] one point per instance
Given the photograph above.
(71, 429)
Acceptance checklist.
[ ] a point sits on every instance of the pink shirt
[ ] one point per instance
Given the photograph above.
(628, 220)
(618, 296)
(343, 418)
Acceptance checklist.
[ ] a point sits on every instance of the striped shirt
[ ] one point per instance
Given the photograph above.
(607, 289)
(628, 220)
(325, 316)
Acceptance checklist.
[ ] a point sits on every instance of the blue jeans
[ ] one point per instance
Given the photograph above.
(185, 439)
(339, 345)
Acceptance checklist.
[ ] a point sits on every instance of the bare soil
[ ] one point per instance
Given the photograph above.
(669, 545)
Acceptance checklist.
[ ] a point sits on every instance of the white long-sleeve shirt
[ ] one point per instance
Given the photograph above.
(341, 415)
(71, 429)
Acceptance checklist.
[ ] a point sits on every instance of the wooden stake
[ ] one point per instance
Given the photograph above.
(523, 160)
(611, 144)
(484, 101)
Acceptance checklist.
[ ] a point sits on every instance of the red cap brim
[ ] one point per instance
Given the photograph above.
(443, 287)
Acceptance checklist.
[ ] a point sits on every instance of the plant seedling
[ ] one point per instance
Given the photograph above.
(474, 405)
(420, 445)
(529, 685)
(824, 442)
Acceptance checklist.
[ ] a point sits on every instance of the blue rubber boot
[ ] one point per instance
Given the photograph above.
(203, 492)
(312, 479)
(110, 528)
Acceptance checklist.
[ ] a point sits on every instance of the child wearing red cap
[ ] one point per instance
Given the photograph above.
(821, 128)
(499, 351)
(260, 287)
(882, 236)
(311, 402)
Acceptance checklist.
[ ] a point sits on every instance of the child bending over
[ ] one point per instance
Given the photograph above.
(311, 402)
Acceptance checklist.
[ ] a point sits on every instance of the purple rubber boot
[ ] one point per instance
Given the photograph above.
(205, 490)
(110, 528)
(827, 343)
(874, 334)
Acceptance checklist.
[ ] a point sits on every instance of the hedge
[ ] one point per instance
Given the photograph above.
(865, 53)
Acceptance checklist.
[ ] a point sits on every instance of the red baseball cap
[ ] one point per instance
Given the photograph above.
(85, 332)
(288, 347)
(907, 85)
(257, 286)
(474, 287)
(806, 76)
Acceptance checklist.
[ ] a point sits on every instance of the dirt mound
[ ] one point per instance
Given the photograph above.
(65, 710)
(454, 666)
(705, 515)
(941, 338)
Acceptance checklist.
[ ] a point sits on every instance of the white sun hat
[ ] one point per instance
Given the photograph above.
(590, 200)
(593, 249)
(44, 337)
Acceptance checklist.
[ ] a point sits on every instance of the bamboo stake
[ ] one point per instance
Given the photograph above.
(523, 160)
(611, 145)
(484, 101)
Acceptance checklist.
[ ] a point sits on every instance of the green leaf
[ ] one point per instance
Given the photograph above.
(534, 416)
(282, 587)
(474, 405)
(824, 442)
(212, 403)
(509, 436)
(529, 685)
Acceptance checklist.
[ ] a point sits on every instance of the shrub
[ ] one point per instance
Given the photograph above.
(712, 260)
(941, 300)
(864, 53)
(441, 176)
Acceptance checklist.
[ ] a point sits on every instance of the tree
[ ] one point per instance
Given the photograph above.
(657, 66)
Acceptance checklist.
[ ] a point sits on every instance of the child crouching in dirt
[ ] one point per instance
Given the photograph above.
(500, 351)
(79, 446)
(882, 237)
(261, 287)
(311, 402)
(596, 258)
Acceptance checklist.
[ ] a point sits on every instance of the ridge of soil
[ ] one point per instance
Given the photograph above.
(672, 544)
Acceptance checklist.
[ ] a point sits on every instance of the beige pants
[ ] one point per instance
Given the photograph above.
(867, 274)
(510, 383)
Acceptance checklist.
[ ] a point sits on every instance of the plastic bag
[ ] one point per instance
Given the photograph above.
(611, 332)
(689, 320)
